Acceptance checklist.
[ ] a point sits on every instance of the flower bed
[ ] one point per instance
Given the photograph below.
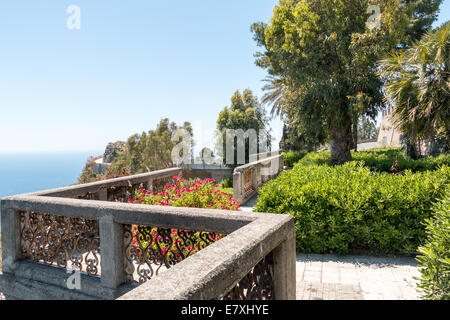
(199, 194)
(174, 244)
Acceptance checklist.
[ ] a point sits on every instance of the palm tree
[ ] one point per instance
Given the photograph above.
(418, 83)
(276, 90)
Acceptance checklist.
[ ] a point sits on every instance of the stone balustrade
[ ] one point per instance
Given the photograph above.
(263, 155)
(248, 178)
(87, 242)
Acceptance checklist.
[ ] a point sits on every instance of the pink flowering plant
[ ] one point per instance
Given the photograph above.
(176, 244)
(200, 194)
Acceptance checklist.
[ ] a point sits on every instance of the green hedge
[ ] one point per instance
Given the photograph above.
(351, 208)
(381, 160)
(435, 255)
(292, 157)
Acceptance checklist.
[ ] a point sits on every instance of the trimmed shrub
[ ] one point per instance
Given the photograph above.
(435, 255)
(381, 160)
(351, 208)
(292, 157)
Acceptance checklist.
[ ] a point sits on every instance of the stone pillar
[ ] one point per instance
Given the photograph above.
(255, 178)
(150, 185)
(11, 251)
(112, 254)
(284, 259)
(237, 187)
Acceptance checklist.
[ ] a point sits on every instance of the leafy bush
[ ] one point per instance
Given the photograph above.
(351, 208)
(227, 183)
(435, 255)
(381, 160)
(292, 157)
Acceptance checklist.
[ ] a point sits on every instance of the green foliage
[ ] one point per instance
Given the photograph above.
(149, 151)
(424, 13)
(418, 82)
(245, 112)
(381, 160)
(351, 208)
(435, 254)
(321, 58)
(88, 175)
(367, 129)
(292, 157)
(321, 99)
(227, 183)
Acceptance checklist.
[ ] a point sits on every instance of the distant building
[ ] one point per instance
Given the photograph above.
(389, 136)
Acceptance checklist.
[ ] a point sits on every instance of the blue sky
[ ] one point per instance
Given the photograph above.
(131, 64)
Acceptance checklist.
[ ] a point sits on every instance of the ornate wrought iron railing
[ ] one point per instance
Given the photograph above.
(132, 251)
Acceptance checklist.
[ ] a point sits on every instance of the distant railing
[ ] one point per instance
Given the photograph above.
(130, 251)
(263, 155)
(248, 178)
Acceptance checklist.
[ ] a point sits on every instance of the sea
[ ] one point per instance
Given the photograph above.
(29, 172)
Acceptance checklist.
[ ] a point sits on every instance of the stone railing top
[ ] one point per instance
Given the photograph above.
(212, 220)
(259, 156)
(257, 163)
(80, 189)
(207, 274)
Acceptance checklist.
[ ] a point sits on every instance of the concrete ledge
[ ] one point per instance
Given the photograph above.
(256, 163)
(82, 189)
(56, 277)
(263, 155)
(17, 288)
(214, 271)
(221, 221)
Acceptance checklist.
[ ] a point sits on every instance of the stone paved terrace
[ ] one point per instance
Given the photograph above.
(330, 277)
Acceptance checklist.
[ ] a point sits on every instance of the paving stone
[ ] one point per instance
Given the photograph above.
(331, 277)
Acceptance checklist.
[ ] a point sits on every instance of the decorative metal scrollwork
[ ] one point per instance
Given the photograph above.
(66, 242)
(257, 284)
(149, 250)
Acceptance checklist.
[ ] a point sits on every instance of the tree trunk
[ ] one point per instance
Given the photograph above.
(354, 140)
(340, 136)
(411, 146)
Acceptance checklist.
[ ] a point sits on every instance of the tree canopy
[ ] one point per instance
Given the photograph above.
(150, 150)
(244, 113)
(418, 84)
(321, 57)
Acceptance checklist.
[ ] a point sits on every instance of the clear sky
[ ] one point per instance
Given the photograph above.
(130, 64)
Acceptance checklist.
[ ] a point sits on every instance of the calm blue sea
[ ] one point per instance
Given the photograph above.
(28, 172)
